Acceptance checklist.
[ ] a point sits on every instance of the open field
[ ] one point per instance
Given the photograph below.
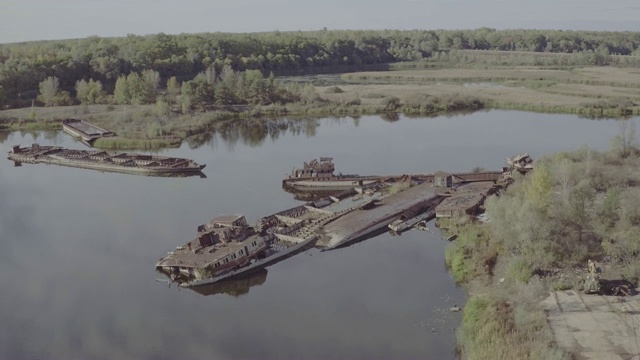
(598, 91)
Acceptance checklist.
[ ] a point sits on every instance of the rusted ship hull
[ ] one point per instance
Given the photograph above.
(399, 226)
(320, 174)
(360, 223)
(336, 221)
(235, 287)
(335, 183)
(84, 130)
(256, 266)
(129, 163)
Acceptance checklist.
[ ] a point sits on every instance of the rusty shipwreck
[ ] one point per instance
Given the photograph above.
(321, 173)
(131, 163)
(227, 247)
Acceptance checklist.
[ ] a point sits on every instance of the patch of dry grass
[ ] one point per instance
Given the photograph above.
(524, 87)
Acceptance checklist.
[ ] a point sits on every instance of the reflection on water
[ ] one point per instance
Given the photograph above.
(253, 132)
(236, 287)
(79, 247)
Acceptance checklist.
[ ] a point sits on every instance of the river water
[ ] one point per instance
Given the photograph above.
(79, 246)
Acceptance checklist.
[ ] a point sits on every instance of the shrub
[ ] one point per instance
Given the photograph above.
(333, 90)
(391, 103)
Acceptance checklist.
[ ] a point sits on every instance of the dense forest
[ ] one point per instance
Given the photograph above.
(102, 61)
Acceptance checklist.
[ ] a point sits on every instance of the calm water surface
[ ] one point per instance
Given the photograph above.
(79, 246)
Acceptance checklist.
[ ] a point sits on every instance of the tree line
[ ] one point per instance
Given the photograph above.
(23, 66)
(204, 92)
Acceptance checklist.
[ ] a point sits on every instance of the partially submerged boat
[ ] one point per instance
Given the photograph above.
(419, 213)
(320, 173)
(105, 161)
(233, 287)
(85, 131)
(222, 246)
(376, 215)
(227, 247)
(521, 162)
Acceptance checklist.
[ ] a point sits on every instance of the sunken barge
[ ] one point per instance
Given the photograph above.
(85, 131)
(227, 247)
(130, 163)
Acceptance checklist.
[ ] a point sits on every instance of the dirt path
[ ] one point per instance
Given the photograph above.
(595, 326)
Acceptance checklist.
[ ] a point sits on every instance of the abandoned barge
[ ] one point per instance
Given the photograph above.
(87, 132)
(106, 161)
(320, 173)
(227, 247)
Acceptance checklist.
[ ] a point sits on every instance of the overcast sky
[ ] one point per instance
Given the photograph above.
(24, 20)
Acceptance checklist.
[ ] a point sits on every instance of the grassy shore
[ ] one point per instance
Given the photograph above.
(572, 207)
(424, 89)
(594, 91)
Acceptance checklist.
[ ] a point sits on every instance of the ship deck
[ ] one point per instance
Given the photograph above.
(85, 130)
(360, 222)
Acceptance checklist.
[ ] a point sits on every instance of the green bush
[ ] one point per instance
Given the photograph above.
(334, 90)
(520, 270)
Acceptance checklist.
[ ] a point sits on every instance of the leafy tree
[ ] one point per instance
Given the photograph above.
(3, 97)
(82, 89)
(173, 87)
(226, 88)
(539, 189)
(48, 90)
(197, 94)
(121, 94)
(137, 88)
(95, 92)
(151, 81)
(162, 108)
(89, 92)
(210, 75)
(173, 91)
(608, 214)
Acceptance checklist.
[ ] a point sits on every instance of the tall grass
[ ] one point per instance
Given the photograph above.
(495, 327)
(115, 143)
(30, 125)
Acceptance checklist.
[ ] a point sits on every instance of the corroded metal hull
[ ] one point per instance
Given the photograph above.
(84, 130)
(335, 183)
(399, 226)
(256, 266)
(129, 163)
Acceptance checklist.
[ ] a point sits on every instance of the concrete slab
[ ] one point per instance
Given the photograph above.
(595, 326)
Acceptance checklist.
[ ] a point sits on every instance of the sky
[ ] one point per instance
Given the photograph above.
(26, 20)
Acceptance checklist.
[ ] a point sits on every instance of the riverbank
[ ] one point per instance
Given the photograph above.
(587, 91)
(573, 207)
